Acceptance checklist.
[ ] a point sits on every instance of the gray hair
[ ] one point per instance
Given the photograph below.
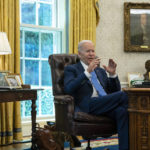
(81, 43)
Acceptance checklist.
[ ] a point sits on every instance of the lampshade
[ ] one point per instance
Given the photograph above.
(4, 44)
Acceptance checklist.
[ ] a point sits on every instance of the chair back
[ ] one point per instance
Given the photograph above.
(57, 63)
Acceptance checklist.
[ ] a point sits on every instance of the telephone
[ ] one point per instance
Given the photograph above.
(140, 83)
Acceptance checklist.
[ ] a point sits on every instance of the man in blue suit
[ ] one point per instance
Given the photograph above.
(110, 101)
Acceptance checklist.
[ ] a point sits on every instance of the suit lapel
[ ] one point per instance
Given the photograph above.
(81, 70)
(80, 67)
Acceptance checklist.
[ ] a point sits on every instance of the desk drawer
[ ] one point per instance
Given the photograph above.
(141, 103)
(11, 96)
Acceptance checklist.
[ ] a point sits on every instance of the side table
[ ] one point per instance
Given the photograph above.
(12, 95)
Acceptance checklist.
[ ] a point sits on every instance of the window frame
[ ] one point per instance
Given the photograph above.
(61, 26)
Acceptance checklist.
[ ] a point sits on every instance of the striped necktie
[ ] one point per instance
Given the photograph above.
(97, 85)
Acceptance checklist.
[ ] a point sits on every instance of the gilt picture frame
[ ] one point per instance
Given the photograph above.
(18, 76)
(13, 81)
(3, 82)
(136, 27)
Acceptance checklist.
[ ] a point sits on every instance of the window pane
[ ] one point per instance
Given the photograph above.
(46, 44)
(45, 14)
(47, 102)
(22, 108)
(31, 44)
(37, 42)
(28, 108)
(37, 103)
(32, 72)
(46, 0)
(21, 44)
(28, 11)
(46, 74)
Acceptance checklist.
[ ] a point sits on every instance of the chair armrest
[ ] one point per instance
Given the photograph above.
(65, 102)
(64, 99)
(64, 111)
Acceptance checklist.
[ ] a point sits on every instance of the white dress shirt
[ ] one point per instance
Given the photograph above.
(88, 75)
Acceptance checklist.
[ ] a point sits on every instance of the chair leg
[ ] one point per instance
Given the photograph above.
(88, 146)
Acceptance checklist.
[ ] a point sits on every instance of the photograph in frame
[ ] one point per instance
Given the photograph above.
(13, 81)
(134, 76)
(18, 76)
(3, 82)
(137, 27)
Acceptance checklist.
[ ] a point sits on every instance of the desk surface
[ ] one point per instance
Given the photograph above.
(12, 90)
(136, 89)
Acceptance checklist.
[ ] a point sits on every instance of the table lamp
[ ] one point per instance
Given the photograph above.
(4, 50)
(4, 44)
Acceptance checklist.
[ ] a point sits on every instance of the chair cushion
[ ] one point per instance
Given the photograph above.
(84, 117)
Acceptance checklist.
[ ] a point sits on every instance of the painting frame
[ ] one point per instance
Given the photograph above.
(18, 77)
(13, 81)
(133, 42)
(3, 82)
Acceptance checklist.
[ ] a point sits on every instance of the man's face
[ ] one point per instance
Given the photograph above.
(143, 19)
(87, 54)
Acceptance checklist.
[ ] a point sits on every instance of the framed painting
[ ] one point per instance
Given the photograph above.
(136, 27)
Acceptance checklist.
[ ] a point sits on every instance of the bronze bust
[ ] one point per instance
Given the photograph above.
(147, 67)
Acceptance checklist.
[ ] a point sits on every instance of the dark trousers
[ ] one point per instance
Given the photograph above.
(115, 106)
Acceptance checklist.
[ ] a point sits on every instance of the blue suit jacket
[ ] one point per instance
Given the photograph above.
(79, 86)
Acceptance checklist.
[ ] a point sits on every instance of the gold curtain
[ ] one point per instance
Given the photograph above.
(10, 115)
(84, 17)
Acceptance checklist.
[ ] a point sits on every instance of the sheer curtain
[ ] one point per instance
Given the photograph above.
(10, 114)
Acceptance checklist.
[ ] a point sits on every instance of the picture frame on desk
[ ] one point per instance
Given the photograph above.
(3, 82)
(136, 27)
(13, 81)
(18, 76)
(132, 76)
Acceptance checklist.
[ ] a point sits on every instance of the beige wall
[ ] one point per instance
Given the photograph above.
(110, 39)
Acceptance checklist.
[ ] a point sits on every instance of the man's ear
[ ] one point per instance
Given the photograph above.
(79, 54)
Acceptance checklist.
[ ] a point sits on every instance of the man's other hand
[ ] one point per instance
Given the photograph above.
(111, 68)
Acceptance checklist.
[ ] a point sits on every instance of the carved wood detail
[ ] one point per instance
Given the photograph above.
(139, 118)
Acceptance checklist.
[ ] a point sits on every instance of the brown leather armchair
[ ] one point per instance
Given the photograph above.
(75, 123)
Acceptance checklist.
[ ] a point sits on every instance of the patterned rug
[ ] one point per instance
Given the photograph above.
(101, 143)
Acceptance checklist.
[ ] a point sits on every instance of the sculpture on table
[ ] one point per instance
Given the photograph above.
(147, 74)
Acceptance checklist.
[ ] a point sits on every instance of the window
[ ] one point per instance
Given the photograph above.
(42, 33)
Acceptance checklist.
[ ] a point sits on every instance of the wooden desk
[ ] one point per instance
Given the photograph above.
(139, 118)
(20, 95)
